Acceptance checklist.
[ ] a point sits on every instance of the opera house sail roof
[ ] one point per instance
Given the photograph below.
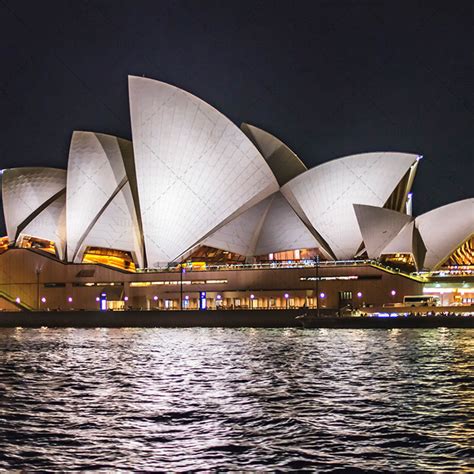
(100, 206)
(195, 168)
(191, 179)
(34, 204)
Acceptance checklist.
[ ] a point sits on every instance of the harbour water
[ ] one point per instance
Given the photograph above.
(228, 399)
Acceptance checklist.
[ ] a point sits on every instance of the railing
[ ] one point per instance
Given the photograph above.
(449, 273)
(286, 264)
(259, 266)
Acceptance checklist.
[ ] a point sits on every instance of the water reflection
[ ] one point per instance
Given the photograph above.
(250, 399)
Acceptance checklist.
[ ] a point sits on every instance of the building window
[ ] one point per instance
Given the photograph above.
(345, 295)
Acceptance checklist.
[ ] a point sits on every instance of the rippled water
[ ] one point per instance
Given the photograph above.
(179, 399)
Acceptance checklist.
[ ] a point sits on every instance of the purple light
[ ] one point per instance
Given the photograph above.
(252, 296)
(286, 295)
(322, 295)
(393, 292)
(43, 300)
(17, 299)
(125, 298)
(155, 298)
(69, 300)
(219, 297)
(97, 299)
(186, 297)
(359, 294)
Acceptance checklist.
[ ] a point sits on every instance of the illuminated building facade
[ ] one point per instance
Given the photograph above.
(229, 211)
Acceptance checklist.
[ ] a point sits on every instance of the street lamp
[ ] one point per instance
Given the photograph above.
(359, 296)
(286, 295)
(316, 285)
(182, 271)
(252, 297)
(393, 293)
(38, 273)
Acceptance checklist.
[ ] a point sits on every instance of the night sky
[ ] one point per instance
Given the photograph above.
(329, 78)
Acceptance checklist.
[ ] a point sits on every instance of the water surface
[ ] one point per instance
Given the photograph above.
(250, 399)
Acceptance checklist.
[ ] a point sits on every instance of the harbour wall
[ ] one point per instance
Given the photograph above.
(224, 319)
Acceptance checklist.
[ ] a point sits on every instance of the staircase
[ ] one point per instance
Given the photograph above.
(21, 306)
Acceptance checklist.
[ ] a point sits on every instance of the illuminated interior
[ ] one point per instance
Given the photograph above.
(29, 242)
(463, 255)
(404, 261)
(299, 254)
(210, 255)
(194, 265)
(111, 257)
(3, 244)
(205, 254)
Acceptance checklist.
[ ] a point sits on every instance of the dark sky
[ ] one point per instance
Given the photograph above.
(329, 78)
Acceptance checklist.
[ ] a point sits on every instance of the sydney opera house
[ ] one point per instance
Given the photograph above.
(196, 212)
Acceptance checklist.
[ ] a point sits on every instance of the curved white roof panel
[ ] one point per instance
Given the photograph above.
(379, 226)
(283, 230)
(444, 229)
(27, 192)
(408, 240)
(50, 224)
(194, 168)
(324, 195)
(284, 163)
(96, 173)
(115, 228)
(240, 234)
(402, 242)
(270, 226)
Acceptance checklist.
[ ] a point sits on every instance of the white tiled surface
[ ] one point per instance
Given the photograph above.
(283, 230)
(326, 193)
(284, 163)
(379, 226)
(95, 170)
(50, 224)
(115, 228)
(195, 168)
(25, 189)
(240, 234)
(444, 229)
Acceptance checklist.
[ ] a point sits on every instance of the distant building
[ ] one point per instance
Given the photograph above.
(235, 207)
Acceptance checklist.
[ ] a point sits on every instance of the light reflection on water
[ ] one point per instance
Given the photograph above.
(178, 399)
